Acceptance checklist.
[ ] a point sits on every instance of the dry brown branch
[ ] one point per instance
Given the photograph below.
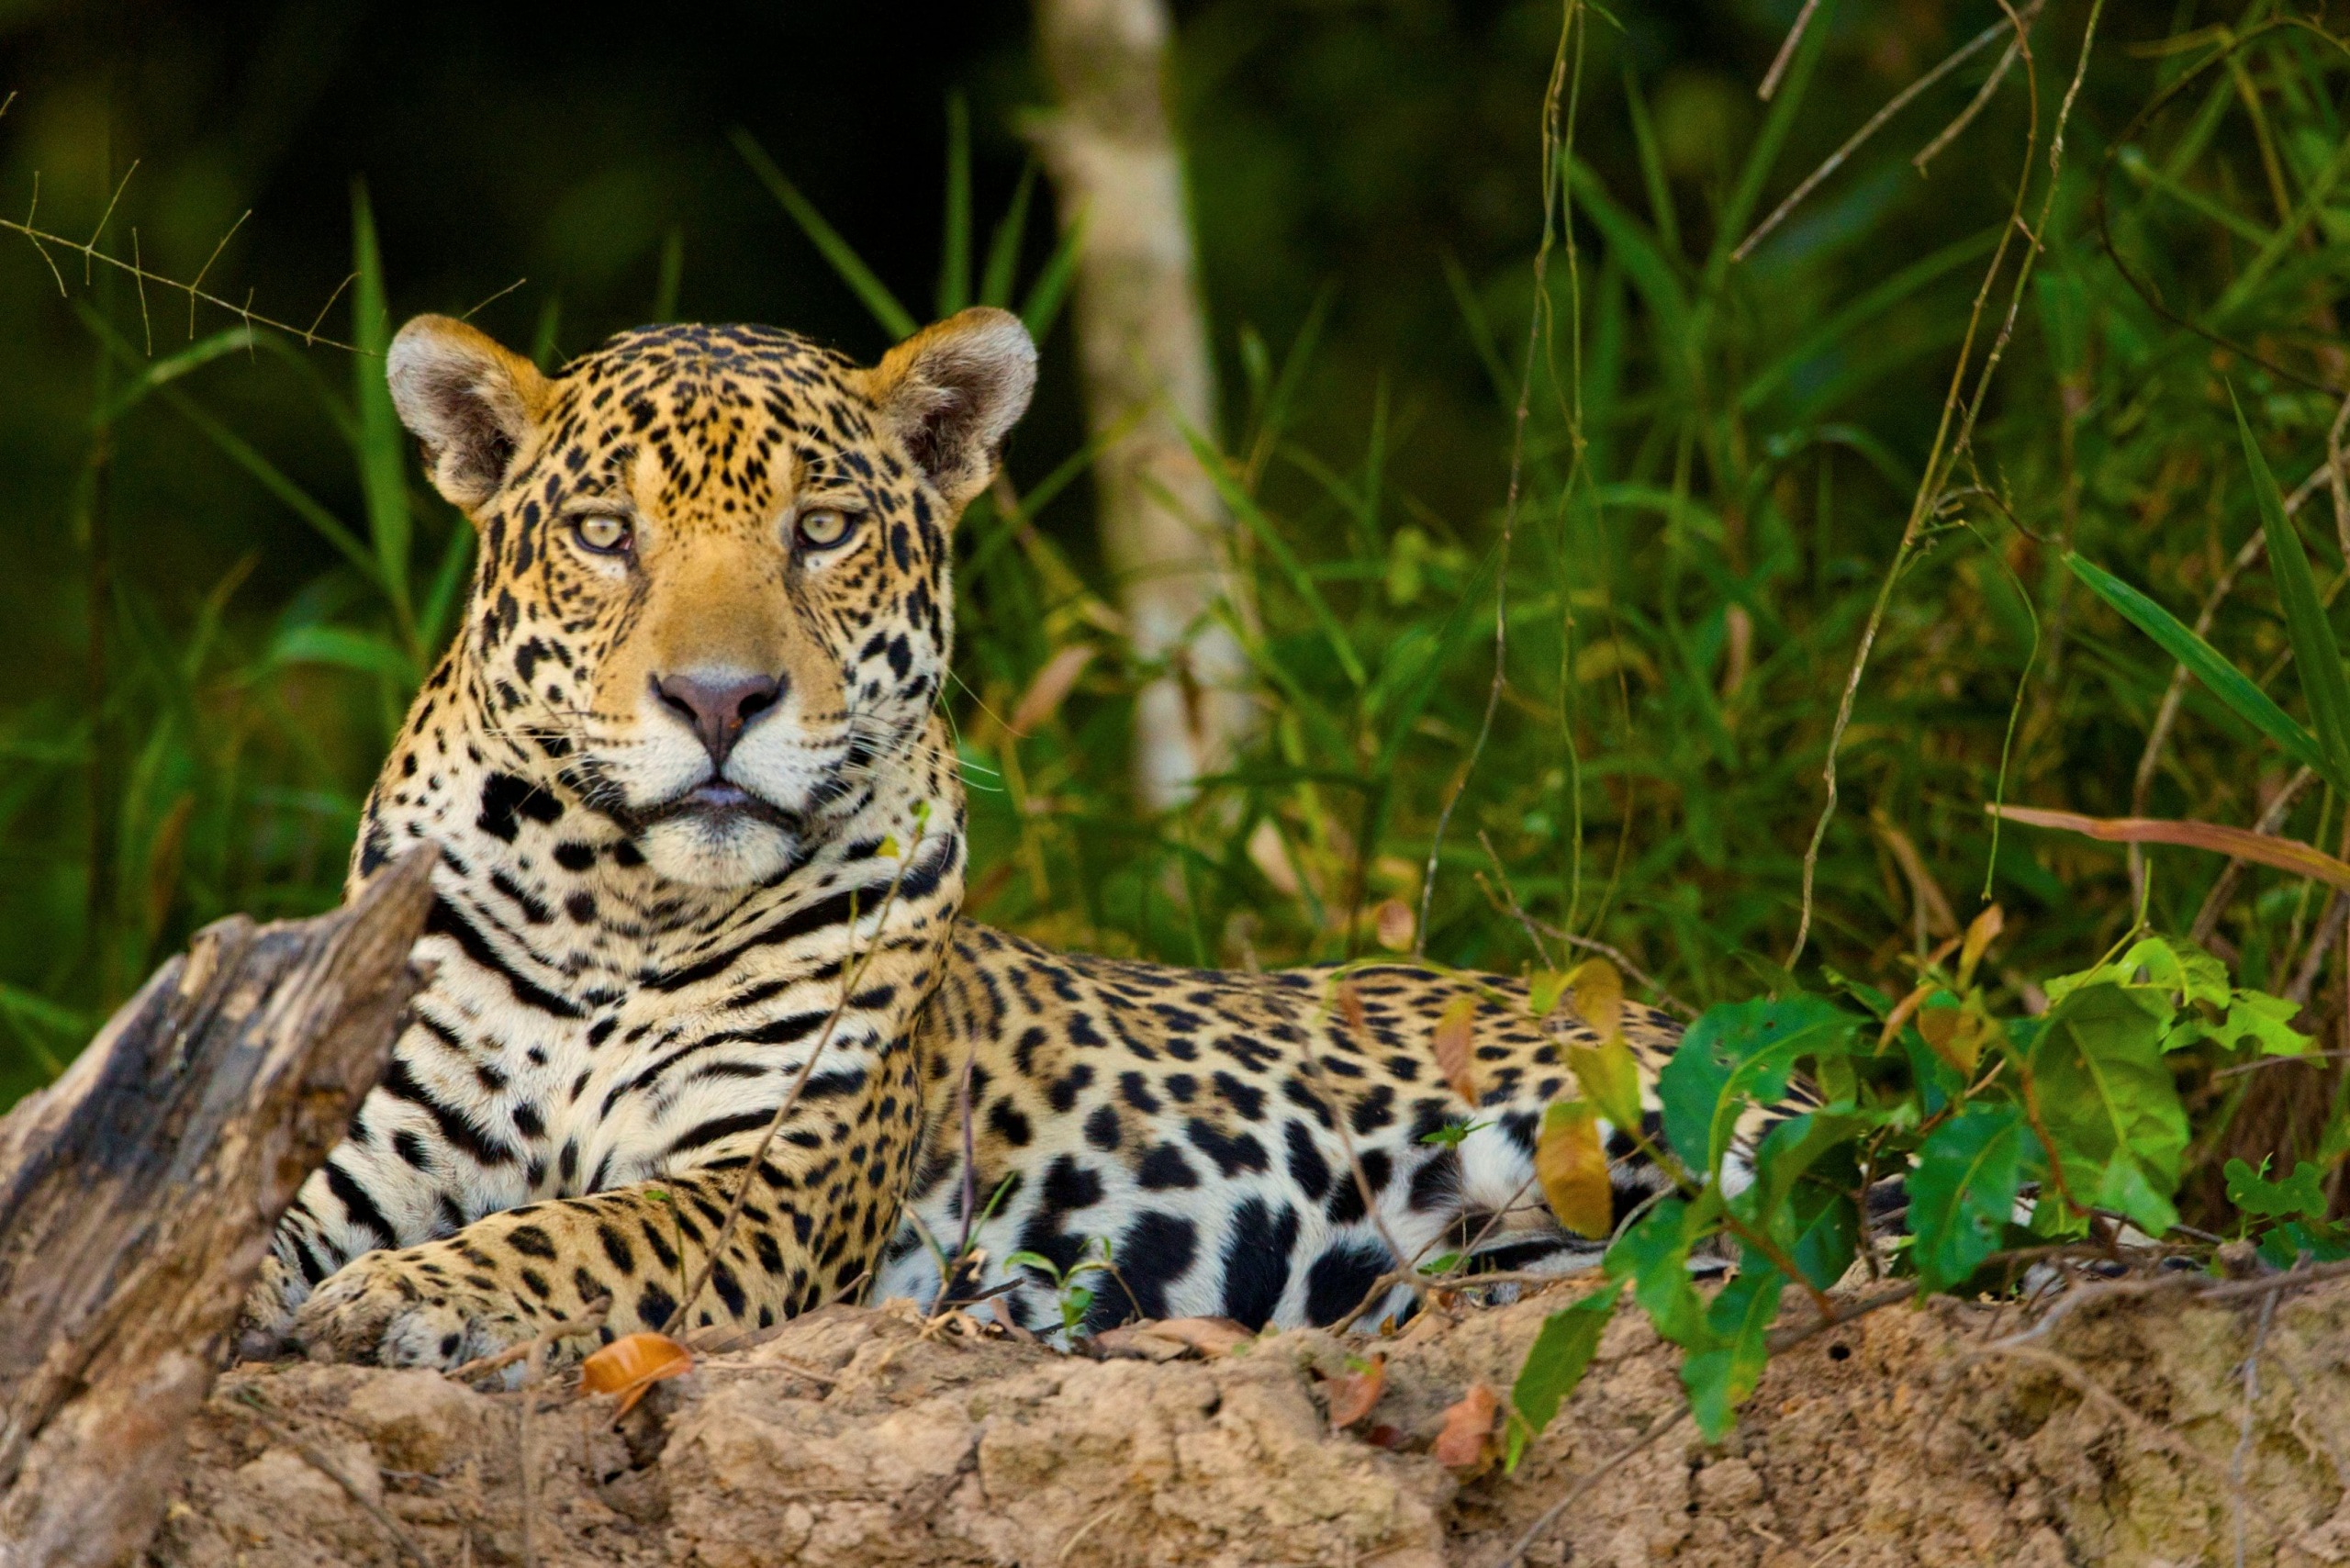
(138, 1192)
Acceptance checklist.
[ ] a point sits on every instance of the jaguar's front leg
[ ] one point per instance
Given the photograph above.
(507, 1278)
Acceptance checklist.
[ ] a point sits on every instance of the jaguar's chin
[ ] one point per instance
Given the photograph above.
(719, 836)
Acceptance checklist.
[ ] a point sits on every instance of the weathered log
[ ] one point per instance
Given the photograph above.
(138, 1191)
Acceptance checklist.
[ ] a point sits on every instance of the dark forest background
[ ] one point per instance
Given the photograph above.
(1720, 458)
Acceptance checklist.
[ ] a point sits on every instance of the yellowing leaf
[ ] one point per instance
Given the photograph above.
(1466, 1441)
(1394, 922)
(1572, 1165)
(1980, 933)
(1610, 1079)
(1352, 1394)
(1453, 1059)
(888, 849)
(1544, 992)
(1598, 994)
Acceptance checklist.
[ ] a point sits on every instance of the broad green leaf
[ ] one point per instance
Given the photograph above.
(2105, 1097)
(1827, 1233)
(1735, 1054)
(2207, 665)
(2285, 1246)
(2316, 654)
(1555, 1363)
(1720, 1376)
(2179, 965)
(1963, 1191)
(1653, 1253)
(1788, 1153)
(2298, 1195)
(2265, 1020)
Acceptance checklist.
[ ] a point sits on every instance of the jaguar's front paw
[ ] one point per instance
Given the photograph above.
(399, 1309)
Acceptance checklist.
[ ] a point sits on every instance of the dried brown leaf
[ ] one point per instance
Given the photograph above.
(1454, 1032)
(2260, 848)
(1394, 922)
(1352, 1394)
(1466, 1441)
(632, 1364)
(1981, 932)
(1351, 1006)
(1050, 689)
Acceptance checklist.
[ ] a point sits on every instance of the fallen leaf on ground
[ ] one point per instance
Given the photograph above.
(1352, 1394)
(630, 1365)
(1467, 1437)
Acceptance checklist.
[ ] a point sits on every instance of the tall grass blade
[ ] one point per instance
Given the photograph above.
(2316, 653)
(1045, 296)
(2207, 665)
(894, 319)
(954, 244)
(383, 449)
(1003, 248)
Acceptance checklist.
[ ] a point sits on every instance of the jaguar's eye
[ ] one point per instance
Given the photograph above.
(821, 528)
(603, 533)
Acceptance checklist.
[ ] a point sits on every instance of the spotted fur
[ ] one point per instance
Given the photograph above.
(698, 822)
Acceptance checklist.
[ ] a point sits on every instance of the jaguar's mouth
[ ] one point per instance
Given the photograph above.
(717, 801)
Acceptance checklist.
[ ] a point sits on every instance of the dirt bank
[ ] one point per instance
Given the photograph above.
(852, 1438)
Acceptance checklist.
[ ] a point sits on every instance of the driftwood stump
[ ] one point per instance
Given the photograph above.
(138, 1191)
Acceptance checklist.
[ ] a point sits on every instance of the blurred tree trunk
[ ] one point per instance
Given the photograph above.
(1143, 350)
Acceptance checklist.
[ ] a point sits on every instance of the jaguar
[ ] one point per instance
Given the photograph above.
(705, 1042)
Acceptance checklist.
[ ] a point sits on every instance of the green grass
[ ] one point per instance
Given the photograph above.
(1720, 460)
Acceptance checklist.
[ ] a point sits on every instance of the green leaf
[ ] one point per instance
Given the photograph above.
(2179, 965)
(954, 244)
(367, 653)
(1555, 1363)
(1653, 1253)
(1963, 1191)
(1737, 1054)
(2265, 1020)
(2298, 1194)
(1003, 248)
(2315, 653)
(894, 318)
(2105, 1096)
(2207, 665)
(1720, 1376)
(1827, 1233)
(2283, 1247)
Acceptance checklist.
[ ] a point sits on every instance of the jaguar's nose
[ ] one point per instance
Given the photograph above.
(718, 705)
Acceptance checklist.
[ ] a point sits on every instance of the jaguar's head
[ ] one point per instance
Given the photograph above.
(713, 598)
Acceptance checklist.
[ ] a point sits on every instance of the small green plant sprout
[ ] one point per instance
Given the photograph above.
(2286, 1217)
(1450, 1135)
(1073, 1300)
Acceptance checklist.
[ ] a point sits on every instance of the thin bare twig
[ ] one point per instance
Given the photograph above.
(1876, 123)
(587, 1322)
(2243, 1436)
(249, 1402)
(1555, 142)
(1576, 1493)
(1785, 57)
(711, 1254)
(1943, 456)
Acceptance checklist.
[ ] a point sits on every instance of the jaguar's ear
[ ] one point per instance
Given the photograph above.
(952, 392)
(472, 402)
